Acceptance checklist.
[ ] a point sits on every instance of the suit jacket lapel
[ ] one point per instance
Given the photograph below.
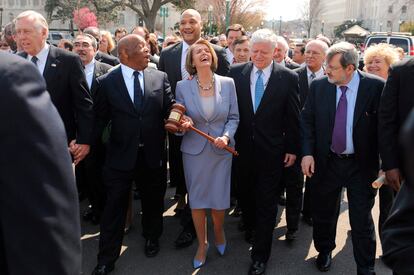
(196, 97)
(123, 91)
(331, 105)
(177, 60)
(218, 97)
(362, 98)
(270, 87)
(51, 63)
(245, 82)
(148, 84)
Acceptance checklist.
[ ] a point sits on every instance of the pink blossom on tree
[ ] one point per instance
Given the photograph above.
(84, 18)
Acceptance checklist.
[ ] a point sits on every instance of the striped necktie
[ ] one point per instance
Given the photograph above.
(258, 90)
(184, 73)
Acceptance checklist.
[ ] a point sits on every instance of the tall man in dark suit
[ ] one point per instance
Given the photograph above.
(315, 53)
(396, 102)
(339, 127)
(136, 99)
(90, 170)
(398, 231)
(267, 139)
(39, 211)
(64, 77)
(172, 61)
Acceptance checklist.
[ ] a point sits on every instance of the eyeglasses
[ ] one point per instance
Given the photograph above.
(312, 53)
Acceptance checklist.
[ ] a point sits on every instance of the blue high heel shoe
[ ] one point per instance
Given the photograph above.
(196, 263)
(221, 248)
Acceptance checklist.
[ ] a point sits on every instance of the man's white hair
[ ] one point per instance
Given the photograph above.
(39, 21)
(320, 43)
(282, 42)
(264, 36)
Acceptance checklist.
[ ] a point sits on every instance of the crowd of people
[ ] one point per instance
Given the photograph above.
(305, 121)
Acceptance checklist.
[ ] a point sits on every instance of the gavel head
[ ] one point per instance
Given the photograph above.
(174, 119)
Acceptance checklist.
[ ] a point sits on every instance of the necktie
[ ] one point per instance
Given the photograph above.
(184, 73)
(34, 59)
(339, 132)
(138, 97)
(311, 78)
(233, 61)
(259, 90)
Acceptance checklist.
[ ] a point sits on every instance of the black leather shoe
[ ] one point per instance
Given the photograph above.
(185, 239)
(249, 236)
(152, 248)
(103, 269)
(308, 220)
(96, 219)
(257, 268)
(291, 235)
(323, 262)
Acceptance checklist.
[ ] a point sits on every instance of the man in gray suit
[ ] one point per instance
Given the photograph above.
(172, 61)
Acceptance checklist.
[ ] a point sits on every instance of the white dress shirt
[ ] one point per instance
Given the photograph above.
(183, 58)
(89, 71)
(318, 74)
(351, 96)
(253, 78)
(41, 58)
(128, 74)
(229, 56)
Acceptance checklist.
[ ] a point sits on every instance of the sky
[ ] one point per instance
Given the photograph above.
(288, 9)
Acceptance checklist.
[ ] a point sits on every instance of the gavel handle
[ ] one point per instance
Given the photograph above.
(210, 138)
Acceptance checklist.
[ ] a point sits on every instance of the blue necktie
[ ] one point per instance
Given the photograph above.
(258, 90)
(138, 97)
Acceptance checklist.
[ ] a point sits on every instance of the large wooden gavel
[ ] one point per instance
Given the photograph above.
(175, 120)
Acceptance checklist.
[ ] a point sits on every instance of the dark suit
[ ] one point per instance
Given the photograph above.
(106, 58)
(262, 140)
(135, 151)
(89, 171)
(292, 65)
(39, 211)
(66, 83)
(398, 230)
(170, 62)
(396, 102)
(332, 173)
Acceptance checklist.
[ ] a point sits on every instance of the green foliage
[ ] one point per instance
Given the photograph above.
(407, 27)
(338, 30)
(182, 5)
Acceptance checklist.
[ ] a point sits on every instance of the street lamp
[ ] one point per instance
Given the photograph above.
(381, 27)
(323, 26)
(280, 26)
(1, 19)
(163, 14)
(210, 23)
(227, 14)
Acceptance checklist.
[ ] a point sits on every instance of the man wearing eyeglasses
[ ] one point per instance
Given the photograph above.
(340, 149)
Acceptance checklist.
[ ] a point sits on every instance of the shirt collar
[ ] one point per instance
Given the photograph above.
(353, 84)
(185, 46)
(42, 55)
(90, 65)
(266, 71)
(320, 72)
(128, 71)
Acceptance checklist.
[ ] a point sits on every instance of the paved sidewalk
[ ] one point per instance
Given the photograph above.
(297, 258)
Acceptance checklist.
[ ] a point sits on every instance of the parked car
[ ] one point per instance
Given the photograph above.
(55, 36)
(403, 40)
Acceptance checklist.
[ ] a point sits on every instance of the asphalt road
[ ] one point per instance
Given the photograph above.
(286, 259)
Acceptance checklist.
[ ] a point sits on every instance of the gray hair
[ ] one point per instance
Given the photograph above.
(281, 40)
(39, 21)
(320, 43)
(349, 54)
(94, 43)
(264, 36)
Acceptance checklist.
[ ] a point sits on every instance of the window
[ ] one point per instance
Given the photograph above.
(404, 9)
(390, 9)
(400, 42)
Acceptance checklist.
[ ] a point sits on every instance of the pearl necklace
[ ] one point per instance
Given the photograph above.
(205, 88)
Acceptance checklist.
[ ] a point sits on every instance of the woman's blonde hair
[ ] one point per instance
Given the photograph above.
(111, 43)
(189, 66)
(384, 50)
